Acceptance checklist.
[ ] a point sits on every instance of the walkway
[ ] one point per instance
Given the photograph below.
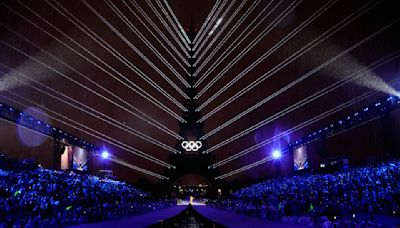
(143, 220)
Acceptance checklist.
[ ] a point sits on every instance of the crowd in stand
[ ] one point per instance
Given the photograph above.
(322, 199)
(32, 196)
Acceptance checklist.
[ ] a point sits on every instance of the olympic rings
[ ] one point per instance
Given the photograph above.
(191, 145)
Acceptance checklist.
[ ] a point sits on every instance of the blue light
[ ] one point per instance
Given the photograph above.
(276, 154)
(105, 154)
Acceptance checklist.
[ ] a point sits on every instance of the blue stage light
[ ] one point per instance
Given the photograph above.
(276, 154)
(105, 154)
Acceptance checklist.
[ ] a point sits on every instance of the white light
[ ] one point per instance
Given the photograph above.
(276, 154)
(105, 154)
(215, 26)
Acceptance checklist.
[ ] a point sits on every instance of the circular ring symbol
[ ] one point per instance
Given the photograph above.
(191, 145)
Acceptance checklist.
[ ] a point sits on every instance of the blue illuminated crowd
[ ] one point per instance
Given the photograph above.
(31, 196)
(349, 197)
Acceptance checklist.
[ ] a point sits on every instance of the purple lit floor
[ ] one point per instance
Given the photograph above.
(238, 221)
(143, 220)
(218, 216)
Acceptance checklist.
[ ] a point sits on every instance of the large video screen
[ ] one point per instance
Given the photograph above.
(80, 159)
(74, 158)
(300, 158)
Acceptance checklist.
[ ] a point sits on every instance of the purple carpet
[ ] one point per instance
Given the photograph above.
(143, 220)
(222, 217)
(238, 221)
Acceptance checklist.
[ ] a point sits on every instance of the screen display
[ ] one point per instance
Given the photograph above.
(80, 159)
(300, 158)
(74, 158)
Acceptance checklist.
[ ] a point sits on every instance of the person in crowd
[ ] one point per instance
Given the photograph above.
(31, 196)
(326, 200)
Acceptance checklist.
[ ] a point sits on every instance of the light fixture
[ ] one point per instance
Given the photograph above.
(276, 154)
(105, 154)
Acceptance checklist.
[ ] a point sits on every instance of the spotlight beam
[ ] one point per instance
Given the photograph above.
(184, 60)
(210, 24)
(155, 27)
(95, 37)
(292, 58)
(177, 21)
(174, 22)
(232, 46)
(266, 54)
(135, 30)
(137, 168)
(107, 118)
(176, 32)
(196, 53)
(88, 131)
(294, 129)
(148, 119)
(174, 36)
(295, 82)
(142, 93)
(226, 37)
(209, 16)
(360, 73)
(252, 165)
(244, 168)
(136, 50)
